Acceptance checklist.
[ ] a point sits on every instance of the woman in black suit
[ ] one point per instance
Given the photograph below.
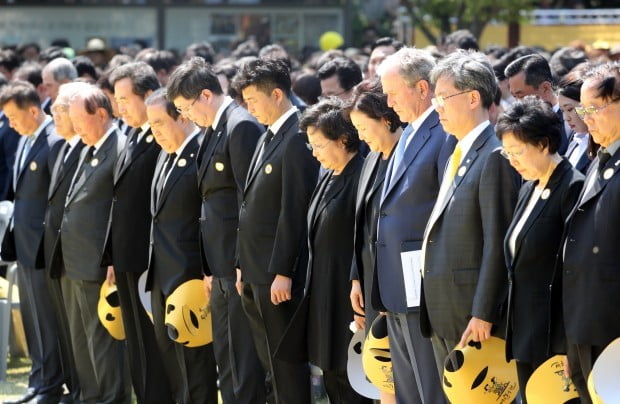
(530, 133)
(324, 314)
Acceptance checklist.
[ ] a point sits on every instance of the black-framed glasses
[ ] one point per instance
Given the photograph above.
(185, 109)
(591, 110)
(439, 101)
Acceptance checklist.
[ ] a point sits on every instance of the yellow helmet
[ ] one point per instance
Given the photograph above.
(188, 315)
(604, 386)
(109, 311)
(376, 357)
(549, 385)
(479, 373)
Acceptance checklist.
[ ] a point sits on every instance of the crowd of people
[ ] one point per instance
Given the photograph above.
(462, 194)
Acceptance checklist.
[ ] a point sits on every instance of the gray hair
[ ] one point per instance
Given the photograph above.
(69, 90)
(469, 71)
(412, 64)
(62, 70)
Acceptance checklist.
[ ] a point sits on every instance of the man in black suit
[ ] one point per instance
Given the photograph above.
(272, 251)
(31, 177)
(174, 255)
(223, 161)
(62, 173)
(8, 146)
(591, 271)
(127, 239)
(465, 280)
(99, 359)
(531, 75)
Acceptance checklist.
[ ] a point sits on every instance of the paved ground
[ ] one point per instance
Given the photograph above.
(17, 379)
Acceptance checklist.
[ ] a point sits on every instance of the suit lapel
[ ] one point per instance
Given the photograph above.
(602, 178)
(212, 141)
(364, 183)
(62, 167)
(38, 145)
(158, 167)
(188, 156)
(16, 170)
(522, 203)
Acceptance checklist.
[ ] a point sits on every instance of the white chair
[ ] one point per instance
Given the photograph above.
(6, 304)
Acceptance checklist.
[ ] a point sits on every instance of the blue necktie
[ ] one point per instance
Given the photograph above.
(399, 153)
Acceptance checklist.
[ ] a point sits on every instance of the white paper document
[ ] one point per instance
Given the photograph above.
(412, 274)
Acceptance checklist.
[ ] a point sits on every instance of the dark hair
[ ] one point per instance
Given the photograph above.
(85, 66)
(201, 49)
(369, 99)
(348, 72)
(9, 59)
(104, 82)
(190, 78)
(535, 68)
(570, 86)
(21, 49)
(119, 60)
(31, 72)
(564, 60)
(160, 60)
(22, 93)
(308, 88)
(246, 48)
(387, 41)
(62, 42)
(161, 97)
(607, 76)
(498, 96)
(462, 39)
(142, 76)
(533, 121)
(51, 53)
(328, 117)
(266, 75)
(275, 51)
(94, 99)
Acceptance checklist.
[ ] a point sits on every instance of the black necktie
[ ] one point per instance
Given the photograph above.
(165, 170)
(603, 158)
(261, 151)
(80, 171)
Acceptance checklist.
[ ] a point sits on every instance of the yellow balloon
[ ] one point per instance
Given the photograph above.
(330, 40)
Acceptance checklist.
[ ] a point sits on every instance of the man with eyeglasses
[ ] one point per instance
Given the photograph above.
(224, 157)
(409, 192)
(464, 271)
(531, 75)
(591, 271)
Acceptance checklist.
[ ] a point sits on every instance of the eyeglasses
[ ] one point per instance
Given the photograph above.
(439, 101)
(510, 155)
(60, 108)
(185, 109)
(591, 110)
(312, 147)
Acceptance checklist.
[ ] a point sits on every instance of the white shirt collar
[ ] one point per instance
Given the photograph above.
(73, 141)
(101, 141)
(420, 120)
(275, 127)
(220, 111)
(469, 139)
(37, 132)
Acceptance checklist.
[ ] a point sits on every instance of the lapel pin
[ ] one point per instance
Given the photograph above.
(94, 162)
(617, 163)
(545, 194)
(191, 155)
(149, 139)
(468, 160)
(607, 174)
(219, 166)
(182, 163)
(461, 171)
(268, 169)
(33, 166)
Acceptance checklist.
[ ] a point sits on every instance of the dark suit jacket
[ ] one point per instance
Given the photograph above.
(62, 174)
(591, 275)
(465, 270)
(224, 157)
(406, 207)
(174, 254)
(87, 211)
(8, 146)
(127, 239)
(322, 320)
(30, 187)
(530, 271)
(272, 225)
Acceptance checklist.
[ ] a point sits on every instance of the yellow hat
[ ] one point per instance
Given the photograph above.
(330, 40)
(479, 373)
(109, 311)
(376, 357)
(605, 374)
(549, 385)
(188, 315)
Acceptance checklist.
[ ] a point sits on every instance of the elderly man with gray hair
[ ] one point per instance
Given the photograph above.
(409, 191)
(465, 281)
(55, 73)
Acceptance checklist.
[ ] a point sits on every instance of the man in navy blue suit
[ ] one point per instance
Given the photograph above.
(409, 192)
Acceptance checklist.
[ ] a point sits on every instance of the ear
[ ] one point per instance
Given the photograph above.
(206, 93)
(102, 114)
(546, 86)
(34, 110)
(278, 94)
(147, 94)
(474, 99)
(424, 88)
